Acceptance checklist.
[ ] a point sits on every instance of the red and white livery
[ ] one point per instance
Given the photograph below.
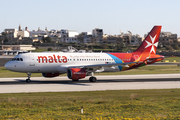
(80, 65)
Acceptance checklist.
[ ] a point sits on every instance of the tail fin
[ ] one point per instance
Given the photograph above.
(150, 43)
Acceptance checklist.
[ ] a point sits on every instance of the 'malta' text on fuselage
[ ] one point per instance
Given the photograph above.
(52, 59)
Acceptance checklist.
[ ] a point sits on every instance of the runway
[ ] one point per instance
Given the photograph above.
(108, 82)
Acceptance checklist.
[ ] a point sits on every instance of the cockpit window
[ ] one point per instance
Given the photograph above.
(17, 59)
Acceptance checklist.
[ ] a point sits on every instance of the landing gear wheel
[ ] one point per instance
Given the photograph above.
(28, 80)
(92, 79)
(75, 80)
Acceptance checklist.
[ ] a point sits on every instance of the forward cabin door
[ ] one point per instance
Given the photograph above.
(31, 60)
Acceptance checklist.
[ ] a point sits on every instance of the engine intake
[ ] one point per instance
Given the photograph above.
(76, 73)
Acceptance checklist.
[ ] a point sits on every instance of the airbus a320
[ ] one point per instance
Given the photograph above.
(80, 65)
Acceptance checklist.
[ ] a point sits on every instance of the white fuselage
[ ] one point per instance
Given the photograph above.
(59, 62)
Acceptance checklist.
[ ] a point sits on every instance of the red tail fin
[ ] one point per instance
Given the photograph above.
(150, 43)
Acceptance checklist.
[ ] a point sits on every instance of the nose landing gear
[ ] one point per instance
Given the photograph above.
(28, 79)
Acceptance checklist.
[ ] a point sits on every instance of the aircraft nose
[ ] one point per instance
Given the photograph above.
(7, 65)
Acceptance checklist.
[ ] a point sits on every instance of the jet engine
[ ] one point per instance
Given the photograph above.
(49, 75)
(76, 73)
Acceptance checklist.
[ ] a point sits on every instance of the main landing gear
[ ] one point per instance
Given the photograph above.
(92, 79)
(28, 79)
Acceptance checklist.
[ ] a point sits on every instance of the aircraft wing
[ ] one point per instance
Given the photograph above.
(104, 65)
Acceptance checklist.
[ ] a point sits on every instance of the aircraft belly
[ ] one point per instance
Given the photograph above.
(111, 69)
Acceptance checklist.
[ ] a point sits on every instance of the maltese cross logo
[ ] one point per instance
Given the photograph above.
(152, 44)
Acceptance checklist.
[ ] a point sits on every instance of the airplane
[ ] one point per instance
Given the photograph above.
(79, 65)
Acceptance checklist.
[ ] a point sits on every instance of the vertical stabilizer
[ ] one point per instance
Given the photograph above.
(150, 43)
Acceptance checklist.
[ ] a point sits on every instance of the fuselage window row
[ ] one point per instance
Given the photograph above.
(88, 60)
(75, 59)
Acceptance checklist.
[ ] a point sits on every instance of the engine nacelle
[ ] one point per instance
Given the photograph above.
(76, 73)
(49, 75)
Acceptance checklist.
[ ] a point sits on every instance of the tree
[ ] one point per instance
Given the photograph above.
(49, 49)
(169, 47)
(46, 39)
(176, 47)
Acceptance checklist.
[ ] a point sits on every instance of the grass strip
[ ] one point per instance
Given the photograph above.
(106, 105)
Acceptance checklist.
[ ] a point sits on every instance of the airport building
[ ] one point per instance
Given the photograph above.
(17, 47)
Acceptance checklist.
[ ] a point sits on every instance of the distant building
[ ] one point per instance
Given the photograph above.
(23, 34)
(168, 37)
(18, 47)
(38, 33)
(65, 36)
(112, 39)
(84, 37)
(11, 33)
(97, 32)
(135, 39)
(98, 35)
(72, 33)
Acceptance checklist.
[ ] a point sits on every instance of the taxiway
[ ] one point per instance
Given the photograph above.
(108, 82)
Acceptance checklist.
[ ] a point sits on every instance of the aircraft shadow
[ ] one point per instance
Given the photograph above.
(84, 82)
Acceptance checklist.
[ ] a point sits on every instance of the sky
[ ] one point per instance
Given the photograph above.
(113, 16)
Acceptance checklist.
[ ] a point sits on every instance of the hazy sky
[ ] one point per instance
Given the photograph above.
(137, 16)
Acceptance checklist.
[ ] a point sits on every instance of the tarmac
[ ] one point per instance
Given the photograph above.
(108, 82)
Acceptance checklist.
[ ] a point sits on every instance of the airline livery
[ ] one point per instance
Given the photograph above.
(80, 65)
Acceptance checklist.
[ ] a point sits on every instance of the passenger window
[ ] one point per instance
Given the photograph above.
(17, 59)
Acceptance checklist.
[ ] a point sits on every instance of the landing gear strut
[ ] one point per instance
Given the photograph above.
(28, 79)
